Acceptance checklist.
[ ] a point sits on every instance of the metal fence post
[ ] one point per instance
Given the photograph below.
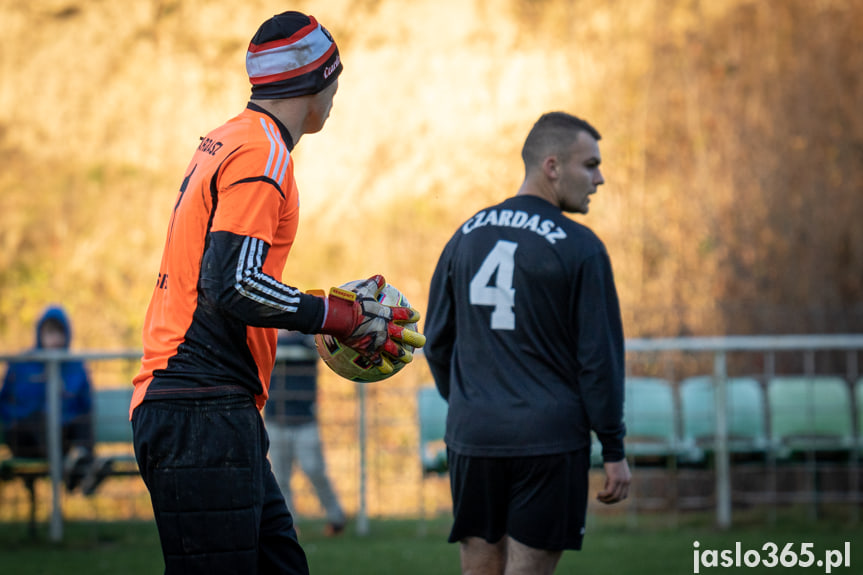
(362, 513)
(723, 467)
(55, 447)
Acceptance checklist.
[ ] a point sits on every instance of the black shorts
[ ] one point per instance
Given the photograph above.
(217, 505)
(539, 501)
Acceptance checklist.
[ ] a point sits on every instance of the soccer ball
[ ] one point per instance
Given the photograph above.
(348, 363)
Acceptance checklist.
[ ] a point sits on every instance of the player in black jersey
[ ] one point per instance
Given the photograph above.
(525, 342)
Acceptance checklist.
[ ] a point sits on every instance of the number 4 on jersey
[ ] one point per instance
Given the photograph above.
(500, 263)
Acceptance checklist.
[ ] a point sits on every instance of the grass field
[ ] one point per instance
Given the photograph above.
(395, 547)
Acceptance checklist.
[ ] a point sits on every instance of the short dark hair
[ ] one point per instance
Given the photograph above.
(553, 132)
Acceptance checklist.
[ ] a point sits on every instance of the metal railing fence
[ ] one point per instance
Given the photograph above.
(379, 405)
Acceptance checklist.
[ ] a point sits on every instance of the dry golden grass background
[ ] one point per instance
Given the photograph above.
(732, 147)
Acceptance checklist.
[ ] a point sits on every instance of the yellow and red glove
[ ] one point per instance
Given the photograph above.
(357, 319)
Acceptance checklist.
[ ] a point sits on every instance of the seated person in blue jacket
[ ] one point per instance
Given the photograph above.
(23, 403)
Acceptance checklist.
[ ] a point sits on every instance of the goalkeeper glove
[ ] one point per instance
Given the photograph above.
(358, 320)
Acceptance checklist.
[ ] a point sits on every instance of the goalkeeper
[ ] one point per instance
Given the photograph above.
(210, 331)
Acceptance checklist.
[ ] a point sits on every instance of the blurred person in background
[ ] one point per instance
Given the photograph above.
(24, 403)
(525, 342)
(292, 423)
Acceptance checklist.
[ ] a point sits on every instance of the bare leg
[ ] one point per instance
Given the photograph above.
(479, 557)
(524, 560)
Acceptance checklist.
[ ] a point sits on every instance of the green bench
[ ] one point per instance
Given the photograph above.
(113, 438)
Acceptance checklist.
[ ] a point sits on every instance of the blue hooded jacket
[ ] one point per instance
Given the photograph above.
(23, 391)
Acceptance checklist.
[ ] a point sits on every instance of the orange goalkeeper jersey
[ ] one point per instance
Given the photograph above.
(210, 326)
